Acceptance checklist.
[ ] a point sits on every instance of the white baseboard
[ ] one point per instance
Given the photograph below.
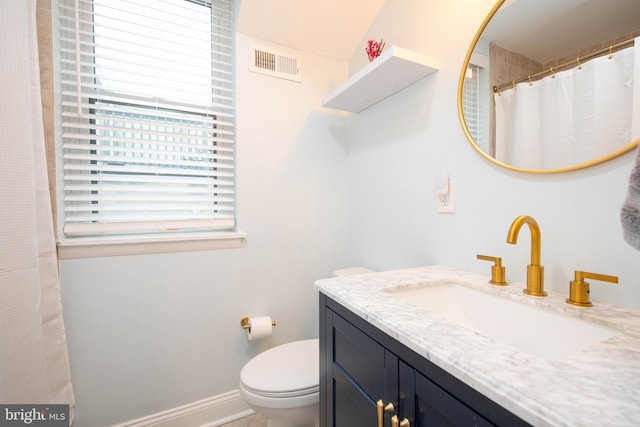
(211, 412)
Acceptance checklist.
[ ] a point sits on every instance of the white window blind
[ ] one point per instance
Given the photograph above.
(147, 116)
(476, 102)
(471, 100)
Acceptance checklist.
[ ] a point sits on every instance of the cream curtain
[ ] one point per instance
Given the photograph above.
(570, 118)
(34, 362)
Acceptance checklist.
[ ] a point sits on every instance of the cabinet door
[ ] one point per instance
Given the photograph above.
(426, 404)
(351, 407)
(362, 372)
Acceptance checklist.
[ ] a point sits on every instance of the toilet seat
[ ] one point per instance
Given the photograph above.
(288, 370)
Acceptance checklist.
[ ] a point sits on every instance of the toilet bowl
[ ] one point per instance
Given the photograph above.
(282, 383)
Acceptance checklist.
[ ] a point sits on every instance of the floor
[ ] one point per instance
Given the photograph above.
(254, 420)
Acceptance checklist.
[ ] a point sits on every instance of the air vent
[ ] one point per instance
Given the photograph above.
(274, 62)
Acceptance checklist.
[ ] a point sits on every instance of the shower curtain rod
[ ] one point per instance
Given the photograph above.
(607, 50)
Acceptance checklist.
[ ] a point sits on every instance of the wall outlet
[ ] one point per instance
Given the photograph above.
(446, 202)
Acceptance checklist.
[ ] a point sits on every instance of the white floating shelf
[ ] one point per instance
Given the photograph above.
(395, 69)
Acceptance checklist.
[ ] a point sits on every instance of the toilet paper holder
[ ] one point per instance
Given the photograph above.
(244, 322)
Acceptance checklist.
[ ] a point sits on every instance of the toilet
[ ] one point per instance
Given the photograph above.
(282, 383)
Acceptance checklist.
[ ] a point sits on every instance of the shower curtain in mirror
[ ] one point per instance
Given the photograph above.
(34, 363)
(570, 117)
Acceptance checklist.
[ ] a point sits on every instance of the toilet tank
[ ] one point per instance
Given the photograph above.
(351, 271)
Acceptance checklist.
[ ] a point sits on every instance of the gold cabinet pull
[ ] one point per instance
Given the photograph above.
(395, 423)
(382, 408)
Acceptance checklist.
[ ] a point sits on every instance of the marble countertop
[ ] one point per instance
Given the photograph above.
(597, 386)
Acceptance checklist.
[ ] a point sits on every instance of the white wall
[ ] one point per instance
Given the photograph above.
(151, 332)
(397, 147)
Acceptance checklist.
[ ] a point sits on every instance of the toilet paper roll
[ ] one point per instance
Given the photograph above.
(259, 327)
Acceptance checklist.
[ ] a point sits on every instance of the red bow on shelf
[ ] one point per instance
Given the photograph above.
(374, 49)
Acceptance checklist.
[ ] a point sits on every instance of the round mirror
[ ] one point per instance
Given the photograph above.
(547, 86)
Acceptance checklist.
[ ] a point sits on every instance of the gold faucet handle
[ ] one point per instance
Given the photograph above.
(498, 272)
(579, 289)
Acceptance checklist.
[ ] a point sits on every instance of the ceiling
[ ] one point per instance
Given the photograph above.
(333, 28)
(548, 29)
(539, 29)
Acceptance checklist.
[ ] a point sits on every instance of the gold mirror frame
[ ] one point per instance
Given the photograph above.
(631, 146)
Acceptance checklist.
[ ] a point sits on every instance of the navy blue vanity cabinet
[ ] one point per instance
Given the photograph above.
(361, 373)
(362, 370)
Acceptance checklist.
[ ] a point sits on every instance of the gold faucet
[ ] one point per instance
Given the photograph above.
(535, 272)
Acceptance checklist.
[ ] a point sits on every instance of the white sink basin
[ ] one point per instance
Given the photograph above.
(524, 327)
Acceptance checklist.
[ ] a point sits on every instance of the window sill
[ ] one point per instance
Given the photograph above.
(92, 247)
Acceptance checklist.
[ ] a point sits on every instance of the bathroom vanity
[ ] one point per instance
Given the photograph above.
(386, 359)
(365, 370)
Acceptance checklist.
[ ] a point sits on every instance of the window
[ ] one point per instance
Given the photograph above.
(147, 114)
(471, 101)
(476, 105)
